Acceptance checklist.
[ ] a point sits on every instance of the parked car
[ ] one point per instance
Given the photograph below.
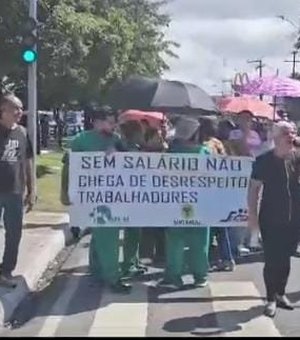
(73, 122)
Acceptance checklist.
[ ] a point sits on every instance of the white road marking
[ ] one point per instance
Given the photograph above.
(57, 312)
(122, 315)
(239, 316)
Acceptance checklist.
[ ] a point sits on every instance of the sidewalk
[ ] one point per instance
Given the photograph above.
(44, 236)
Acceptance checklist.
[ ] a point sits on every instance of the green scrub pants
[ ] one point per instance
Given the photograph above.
(130, 248)
(197, 239)
(104, 254)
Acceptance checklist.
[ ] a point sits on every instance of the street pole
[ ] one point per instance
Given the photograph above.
(32, 97)
(259, 67)
(294, 63)
(227, 81)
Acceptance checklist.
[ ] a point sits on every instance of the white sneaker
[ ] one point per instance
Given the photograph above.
(243, 250)
(270, 309)
(228, 266)
(201, 283)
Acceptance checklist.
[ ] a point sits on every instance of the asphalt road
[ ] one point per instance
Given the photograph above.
(231, 305)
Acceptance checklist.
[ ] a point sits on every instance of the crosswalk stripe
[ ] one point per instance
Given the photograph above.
(179, 313)
(58, 310)
(238, 307)
(122, 315)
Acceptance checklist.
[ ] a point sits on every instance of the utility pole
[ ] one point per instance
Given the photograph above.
(227, 81)
(259, 67)
(32, 96)
(294, 63)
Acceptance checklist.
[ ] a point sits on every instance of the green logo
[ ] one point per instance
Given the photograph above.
(187, 212)
(101, 215)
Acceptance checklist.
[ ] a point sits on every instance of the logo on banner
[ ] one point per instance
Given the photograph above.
(187, 211)
(102, 215)
(240, 215)
(187, 214)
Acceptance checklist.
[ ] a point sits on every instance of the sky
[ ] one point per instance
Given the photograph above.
(217, 37)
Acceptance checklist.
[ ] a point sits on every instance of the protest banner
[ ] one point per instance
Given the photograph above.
(134, 189)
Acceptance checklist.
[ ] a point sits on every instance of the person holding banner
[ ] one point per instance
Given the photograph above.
(153, 239)
(132, 140)
(278, 173)
(177, 238)
(104, 246)
(208, 132)
(246, 142)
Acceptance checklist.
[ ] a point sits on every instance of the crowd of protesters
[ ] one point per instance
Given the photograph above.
(196, 251)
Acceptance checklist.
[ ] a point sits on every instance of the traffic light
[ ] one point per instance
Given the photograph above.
(29, 40)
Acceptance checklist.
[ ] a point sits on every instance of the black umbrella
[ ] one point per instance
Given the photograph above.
(158, 94)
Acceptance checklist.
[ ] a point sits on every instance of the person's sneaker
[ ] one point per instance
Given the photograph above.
(270, 309)
(141, 268)
(201, 283)
(8, 281)
(213, 268)
(134, 271)
(178, 284)
(141, 265)
(120, 288)
(243, 251)
(283, 302)
(146, 261)
(256, 249)
(227, 266)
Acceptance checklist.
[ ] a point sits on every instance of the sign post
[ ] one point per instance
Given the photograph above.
(32, 95)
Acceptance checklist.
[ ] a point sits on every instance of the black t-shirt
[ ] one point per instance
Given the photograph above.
(280, 203)
(15, 149)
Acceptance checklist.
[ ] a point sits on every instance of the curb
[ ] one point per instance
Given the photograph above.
(27, 282)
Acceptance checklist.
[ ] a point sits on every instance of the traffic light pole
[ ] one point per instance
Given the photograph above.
(32, 98)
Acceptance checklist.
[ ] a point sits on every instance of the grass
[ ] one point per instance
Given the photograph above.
(48, 182)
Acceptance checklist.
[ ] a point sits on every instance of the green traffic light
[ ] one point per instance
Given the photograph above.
(29, 56)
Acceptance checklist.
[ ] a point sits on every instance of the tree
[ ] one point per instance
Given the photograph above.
(12, 18)
(85, 45)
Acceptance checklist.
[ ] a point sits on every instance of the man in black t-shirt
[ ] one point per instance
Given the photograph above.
(277, 172)
(15, 176)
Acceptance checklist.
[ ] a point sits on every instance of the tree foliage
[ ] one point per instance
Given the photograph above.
(85, 45)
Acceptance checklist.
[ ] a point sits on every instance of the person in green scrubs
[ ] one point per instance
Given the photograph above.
(152, 246)
(195, 238)
(132, 141)
(104, 246)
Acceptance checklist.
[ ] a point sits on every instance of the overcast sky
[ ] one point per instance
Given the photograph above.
(217, 37)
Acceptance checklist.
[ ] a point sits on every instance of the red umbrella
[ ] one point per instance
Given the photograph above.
(257, 107)
(153, 118)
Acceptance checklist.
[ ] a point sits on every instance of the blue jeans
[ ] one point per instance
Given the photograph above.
(11, 206)
(237, 236)
(224, 244)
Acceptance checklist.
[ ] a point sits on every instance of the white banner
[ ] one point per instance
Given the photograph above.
(134, 189)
